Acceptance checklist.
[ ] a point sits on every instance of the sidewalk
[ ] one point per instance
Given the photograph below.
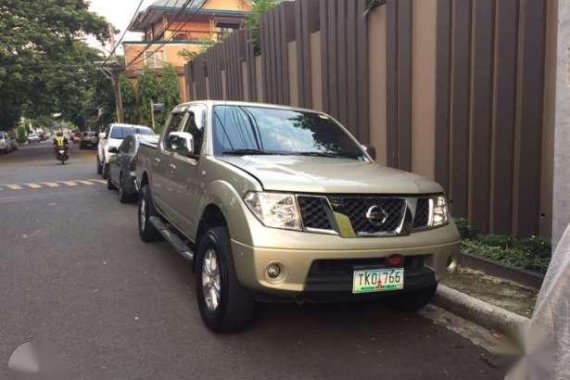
(491, 302)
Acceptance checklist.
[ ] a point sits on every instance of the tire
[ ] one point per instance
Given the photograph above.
(415, 300)
(235, 307)
(123, 196)
(105, 171)
(99, 166)
(110, 185)
(147, 232)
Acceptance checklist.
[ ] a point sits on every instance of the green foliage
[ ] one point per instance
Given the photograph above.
(45, 67)
(465, 229)
(169, 93)
(371, 4)
(22, 134)
(499, 241)
(253, 22)
(529, 253)
(521, 258)
(148, 91)
(130, 101)
(190, 55)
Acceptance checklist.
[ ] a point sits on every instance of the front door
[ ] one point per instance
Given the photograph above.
(188, 172)
(164, 169)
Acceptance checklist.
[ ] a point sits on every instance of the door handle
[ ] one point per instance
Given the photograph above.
(156, 160)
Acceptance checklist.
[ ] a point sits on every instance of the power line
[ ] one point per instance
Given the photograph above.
(182, 25)
(148, 45)
(124, 32)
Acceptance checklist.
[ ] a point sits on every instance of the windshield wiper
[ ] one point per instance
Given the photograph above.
(245, 152)
(324, 154)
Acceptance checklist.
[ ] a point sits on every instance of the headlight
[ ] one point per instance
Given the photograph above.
(439, 213)
(275, 210)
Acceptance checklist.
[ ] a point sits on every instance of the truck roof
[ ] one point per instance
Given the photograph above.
(245, 104)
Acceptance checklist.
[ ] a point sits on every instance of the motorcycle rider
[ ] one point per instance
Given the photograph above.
(60, 142)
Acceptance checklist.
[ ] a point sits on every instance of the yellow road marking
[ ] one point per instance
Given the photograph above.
(86, 183)
(69, 183)
(14, 187)
(33, 186)
(51, 184)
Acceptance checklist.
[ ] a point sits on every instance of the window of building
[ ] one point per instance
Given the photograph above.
(180, 36)
(154, 59)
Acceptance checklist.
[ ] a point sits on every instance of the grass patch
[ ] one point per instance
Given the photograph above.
(532, 253)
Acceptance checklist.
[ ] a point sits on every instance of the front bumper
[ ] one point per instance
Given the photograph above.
(329, 271)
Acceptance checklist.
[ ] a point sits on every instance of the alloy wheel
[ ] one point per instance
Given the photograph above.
(211, 281)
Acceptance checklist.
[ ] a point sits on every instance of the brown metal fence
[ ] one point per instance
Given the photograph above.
(455, 90)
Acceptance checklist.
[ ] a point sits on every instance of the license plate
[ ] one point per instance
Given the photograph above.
(378, 280)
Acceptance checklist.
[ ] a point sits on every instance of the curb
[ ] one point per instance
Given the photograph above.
(493, 268)
(480, 312)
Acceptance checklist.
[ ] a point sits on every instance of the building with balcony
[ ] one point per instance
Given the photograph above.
(172, 32)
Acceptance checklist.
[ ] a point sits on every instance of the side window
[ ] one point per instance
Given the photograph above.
(195, 126)
(125, 146)
(173, 125)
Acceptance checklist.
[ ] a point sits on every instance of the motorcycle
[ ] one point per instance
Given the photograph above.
(61, 154)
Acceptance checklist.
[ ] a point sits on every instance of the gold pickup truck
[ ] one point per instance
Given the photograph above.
(279, 203)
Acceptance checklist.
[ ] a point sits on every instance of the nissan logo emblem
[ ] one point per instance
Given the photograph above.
(377, 216)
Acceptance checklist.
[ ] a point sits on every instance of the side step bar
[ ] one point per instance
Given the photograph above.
(179, 245)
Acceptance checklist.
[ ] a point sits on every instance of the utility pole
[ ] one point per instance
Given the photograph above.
(113, 70)
(152, 115)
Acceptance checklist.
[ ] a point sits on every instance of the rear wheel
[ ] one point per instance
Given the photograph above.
(224, 304)
(147, 231)
(110, 185)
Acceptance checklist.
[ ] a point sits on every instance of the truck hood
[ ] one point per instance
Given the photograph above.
(330, 175)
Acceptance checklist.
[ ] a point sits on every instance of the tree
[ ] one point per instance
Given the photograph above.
(253, 22)
(45, 67)
(130, 101)
(148, 91)
(169, 93)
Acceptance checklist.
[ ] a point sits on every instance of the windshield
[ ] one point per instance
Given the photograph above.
(121, 133)
(244, 130)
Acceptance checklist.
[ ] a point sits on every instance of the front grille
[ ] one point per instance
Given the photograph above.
(317, 213)
(314, 212)
(356, 208)
(421, 219)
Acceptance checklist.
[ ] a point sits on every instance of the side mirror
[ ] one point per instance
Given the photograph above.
(101, 135)
(370, 150)
(182, 143)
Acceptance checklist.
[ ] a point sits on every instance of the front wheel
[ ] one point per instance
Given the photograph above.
(124, 197)
(105, 170)
(225, 306)
(99, 166)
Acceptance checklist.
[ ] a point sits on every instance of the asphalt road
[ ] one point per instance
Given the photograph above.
(75, 275)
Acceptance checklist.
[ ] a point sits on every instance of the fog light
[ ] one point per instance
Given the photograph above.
(451, 264)
(273, 271)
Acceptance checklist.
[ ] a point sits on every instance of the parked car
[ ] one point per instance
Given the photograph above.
(111, 137)
(33, 138)
(77, 136)
(284, 203)
(14, 144)
(122, 166)
(88, 140)
(5, 142)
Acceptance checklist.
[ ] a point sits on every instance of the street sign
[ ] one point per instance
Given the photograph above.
(158, 107)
